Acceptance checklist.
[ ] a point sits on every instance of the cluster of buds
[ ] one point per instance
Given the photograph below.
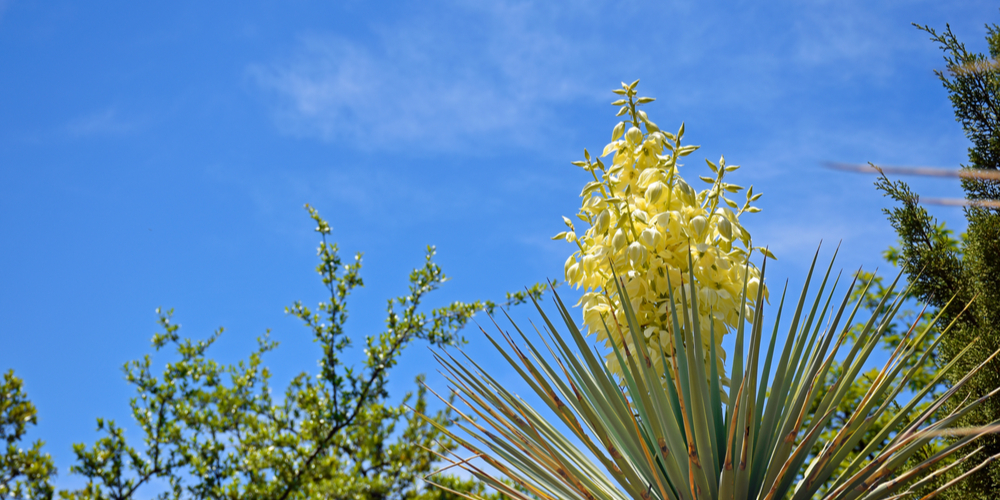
(645, 222)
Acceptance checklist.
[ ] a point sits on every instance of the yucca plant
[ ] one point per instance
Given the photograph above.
(671, 435)
(654, 415)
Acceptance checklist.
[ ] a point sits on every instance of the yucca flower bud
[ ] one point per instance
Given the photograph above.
(708, 298)
(633, 136)
(637, 253)
(698, 224)
(654, 192)
(647, 177)
(602, 221)
(618, 241)
(571, 261)
(650, 238)
(752, 287)
(572, 272)
(687, 193)
(662, 220)
(655, 141)
(725, 228)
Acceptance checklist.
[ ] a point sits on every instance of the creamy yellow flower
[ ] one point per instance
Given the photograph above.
(645, 221)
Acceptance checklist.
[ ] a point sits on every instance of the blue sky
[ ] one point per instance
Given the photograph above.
(160, 155)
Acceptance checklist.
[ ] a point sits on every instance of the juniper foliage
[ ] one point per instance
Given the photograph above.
(944, 267)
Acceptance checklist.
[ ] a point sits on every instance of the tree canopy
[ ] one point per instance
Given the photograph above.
(212, 430)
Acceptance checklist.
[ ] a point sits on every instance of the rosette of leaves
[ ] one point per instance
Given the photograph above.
(645, 222)
(669, 434)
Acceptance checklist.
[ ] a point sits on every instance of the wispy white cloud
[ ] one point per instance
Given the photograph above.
(827, 33)
(107, 122)
(429, 84)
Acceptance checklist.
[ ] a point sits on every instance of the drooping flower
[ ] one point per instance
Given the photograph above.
(645, 220)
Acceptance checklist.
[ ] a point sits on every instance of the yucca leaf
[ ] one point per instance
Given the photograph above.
(765, 373)
(775, 412)
(736, 378)
(747, 415)
(727, 480)
(700, 400)
(715, 391)
(676, 439)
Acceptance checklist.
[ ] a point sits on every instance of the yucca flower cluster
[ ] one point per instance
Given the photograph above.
(645, 220)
